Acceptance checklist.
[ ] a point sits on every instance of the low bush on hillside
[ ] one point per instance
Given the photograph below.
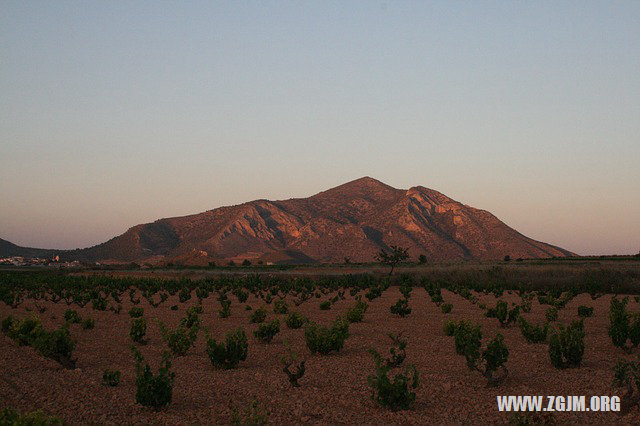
(280, 307)
(356, 313)
(88, 324)
(228, 355)
(450, 327)
(138, 329)
(551, 314)
(259, 315)
(397, 351)
(446, 308)
(503, 314)
(623, 326)
(180, 339)
(225, 308)
(292, 367)
(627, 375)
(396, 393)
(267, 331)
(24, 332)
(295, 320)
(56, 344)
(192, 317)
(401, 308)
(468, 342)
(153, 391)
(136, 312)
(324, 340)
(585, 311)
(325, 306)
(373, 293)
(566, 345)
(533, 333)
(72, 316)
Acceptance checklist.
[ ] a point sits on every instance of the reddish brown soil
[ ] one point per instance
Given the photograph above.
(334, 389)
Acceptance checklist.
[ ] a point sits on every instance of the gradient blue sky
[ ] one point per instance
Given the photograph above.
(116, 113)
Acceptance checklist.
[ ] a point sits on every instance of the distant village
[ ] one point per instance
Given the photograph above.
(53, 262)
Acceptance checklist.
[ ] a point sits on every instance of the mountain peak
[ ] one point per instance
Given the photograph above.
(362, 187)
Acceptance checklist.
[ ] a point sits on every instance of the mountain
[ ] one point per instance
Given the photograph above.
(354, 220)
(9, 249)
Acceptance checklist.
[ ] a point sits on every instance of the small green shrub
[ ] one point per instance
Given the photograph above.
(394, 394)
(533, 333)
(72, 316)
(229, 354)
(468, 342)
(446, 308)
(289, 360)
(373, 293)
(179, 340)
(57, 345)
(401, 308)
(242, 295)
(356, 313)
(627, 375)
(99, 304)
(111, 377)
(136, 312)
(450, 327)
(295, 320)
(24, 332)
(566, 345)
(174, 307)
(397, 352)
(503, 314)
(153, 391)
(88, 324)
(259, 315)
(620, 326)
(184, 295)
(192, 317)
(225, 310)
(138, 329)
(280, 307)
(585, 311)
(266, 331)
(495, 356)
(551, 314)
(325, 306)
(323, 340)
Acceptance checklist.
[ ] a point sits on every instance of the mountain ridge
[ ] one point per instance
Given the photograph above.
(351, 221)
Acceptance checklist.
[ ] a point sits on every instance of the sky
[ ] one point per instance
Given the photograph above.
(123, 112)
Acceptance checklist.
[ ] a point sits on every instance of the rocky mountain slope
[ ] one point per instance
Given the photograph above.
(354, 220)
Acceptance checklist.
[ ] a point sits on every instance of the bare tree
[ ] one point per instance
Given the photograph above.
(393, 258)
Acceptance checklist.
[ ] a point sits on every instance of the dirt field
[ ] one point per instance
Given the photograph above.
(334, 389)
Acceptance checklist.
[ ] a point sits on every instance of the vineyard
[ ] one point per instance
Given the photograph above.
(256, 348)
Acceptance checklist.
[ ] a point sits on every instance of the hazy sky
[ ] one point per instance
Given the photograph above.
(118, 113)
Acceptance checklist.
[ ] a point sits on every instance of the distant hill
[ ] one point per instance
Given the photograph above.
(354, 220)
(9, 249)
